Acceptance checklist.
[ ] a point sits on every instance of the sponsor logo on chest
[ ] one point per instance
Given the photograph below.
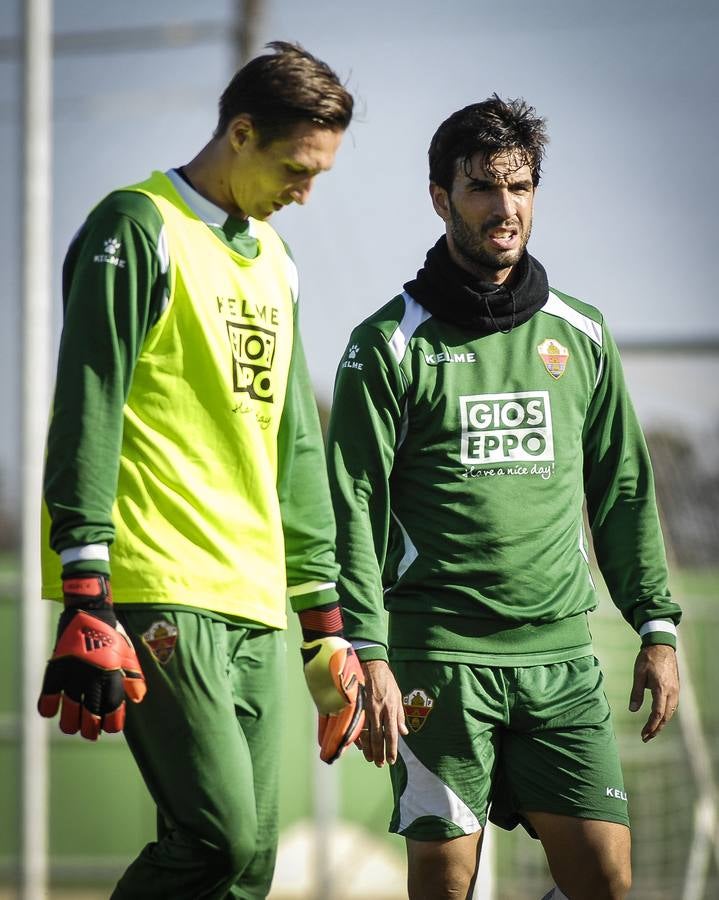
(503, 428)
(253, 351)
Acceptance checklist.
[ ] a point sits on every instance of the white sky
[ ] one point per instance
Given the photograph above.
(626, 212)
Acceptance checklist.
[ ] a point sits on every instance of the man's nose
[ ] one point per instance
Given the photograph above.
(504, 205)
(301, 192)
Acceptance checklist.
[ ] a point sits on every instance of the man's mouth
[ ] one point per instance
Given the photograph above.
(503, 238)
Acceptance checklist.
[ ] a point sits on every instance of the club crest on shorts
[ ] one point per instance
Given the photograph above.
(161, 638)
(554, 356)
(417, 707)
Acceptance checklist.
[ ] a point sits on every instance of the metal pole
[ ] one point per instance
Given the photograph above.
(325, 811)
(35, 369)
(246, 26)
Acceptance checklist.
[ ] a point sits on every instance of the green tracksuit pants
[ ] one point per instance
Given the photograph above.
(206, 739)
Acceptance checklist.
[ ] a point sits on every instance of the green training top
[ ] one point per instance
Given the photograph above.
(459, 468)
(184, 429)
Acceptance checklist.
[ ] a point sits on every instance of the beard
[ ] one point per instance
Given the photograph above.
(468, 243)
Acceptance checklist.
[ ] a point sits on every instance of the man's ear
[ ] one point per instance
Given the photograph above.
(440, 200)
(240, 130)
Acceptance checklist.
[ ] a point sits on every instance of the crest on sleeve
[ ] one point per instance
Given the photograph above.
(554, 356)
(417, 707)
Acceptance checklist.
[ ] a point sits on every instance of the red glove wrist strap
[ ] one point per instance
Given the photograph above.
(87, 591)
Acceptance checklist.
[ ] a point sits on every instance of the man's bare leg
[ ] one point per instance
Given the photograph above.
(589, 859)
(443, 870)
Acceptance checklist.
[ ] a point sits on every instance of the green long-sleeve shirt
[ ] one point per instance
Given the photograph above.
(459, 469)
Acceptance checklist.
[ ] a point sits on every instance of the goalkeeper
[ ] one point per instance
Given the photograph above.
(473, 414)
(186, 490)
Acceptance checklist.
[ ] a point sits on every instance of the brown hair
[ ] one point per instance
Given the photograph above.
(491, 127)
(281, 89)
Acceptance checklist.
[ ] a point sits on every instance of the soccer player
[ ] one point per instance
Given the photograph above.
(473, 414)
(185, 467)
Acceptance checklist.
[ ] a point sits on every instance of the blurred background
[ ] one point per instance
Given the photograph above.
(625, 219)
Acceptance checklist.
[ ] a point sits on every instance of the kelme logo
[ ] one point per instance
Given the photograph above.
(111, 253)
(351, 361)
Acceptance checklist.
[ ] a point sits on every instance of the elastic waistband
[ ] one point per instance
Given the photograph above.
(466, 635)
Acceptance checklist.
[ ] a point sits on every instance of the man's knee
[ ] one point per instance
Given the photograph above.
(236, 855)
(442, 870)
(610, 881)
(618, 882)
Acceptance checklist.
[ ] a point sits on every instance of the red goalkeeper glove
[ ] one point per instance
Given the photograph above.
(336, 682)
(93, 666)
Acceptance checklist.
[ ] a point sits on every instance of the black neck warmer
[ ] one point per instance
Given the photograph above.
(455, 295)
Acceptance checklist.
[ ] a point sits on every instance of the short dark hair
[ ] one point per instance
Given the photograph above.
(491, 127)
(281, 89)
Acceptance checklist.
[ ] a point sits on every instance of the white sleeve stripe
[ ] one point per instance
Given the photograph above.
(163, 251)
(414, 316)
(557, 307)
(658, 625)
(361, 645)
(88, 551)
(308, 587)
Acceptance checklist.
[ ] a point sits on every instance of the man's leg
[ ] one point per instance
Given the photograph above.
(443, 870)
(194, 759)
(257, 678)
(589, 859)
(561, 777)
(443, 776)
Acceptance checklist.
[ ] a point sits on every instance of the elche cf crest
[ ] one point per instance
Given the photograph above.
(161, 638)
(554, 356)
(417, 707)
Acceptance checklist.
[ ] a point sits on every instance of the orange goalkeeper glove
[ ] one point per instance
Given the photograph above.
(336, 682)
(93, 666)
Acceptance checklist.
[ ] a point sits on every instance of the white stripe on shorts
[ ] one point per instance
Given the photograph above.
(428, 795)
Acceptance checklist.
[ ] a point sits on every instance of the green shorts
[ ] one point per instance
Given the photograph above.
(516, 740)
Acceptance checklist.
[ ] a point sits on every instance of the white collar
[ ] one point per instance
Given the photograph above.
(203, 208)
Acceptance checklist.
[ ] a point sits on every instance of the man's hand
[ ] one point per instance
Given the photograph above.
(385, 714)
(336, 682)
(93, 666)
(656, 670)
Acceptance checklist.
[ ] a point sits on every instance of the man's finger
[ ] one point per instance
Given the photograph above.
(376, 741)
(656, 720)
(636, 698)
(70, 715)
(390, 743)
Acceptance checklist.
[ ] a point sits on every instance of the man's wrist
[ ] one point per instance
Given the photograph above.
(87, 591)
(658, 631)
(366, 652)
